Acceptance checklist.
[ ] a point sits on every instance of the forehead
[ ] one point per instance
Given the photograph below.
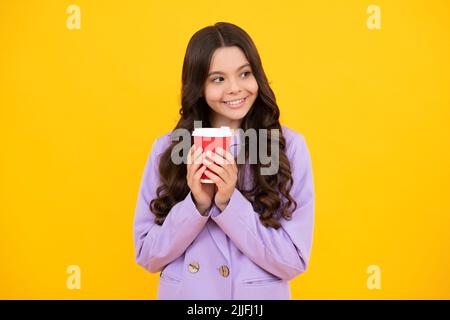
(227, 59)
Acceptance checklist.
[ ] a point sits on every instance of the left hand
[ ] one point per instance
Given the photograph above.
(224, 175)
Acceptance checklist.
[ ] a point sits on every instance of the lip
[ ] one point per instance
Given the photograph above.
(236, 106)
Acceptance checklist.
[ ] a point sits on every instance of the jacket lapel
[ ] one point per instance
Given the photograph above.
(220, 238)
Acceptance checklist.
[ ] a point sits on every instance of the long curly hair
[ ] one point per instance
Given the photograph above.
(269, 194)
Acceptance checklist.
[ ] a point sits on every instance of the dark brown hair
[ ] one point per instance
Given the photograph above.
(269, 193)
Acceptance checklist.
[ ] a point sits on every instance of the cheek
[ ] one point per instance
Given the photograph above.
(213, 93)
(252, 86)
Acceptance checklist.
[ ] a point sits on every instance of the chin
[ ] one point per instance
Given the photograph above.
(236, 114)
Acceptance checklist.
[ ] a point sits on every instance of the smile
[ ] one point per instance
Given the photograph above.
(235, 103)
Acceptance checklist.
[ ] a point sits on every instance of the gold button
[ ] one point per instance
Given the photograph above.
(193, 267)
(224, 271)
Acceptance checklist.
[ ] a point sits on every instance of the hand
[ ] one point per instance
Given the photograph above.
(202, 193)
(224, 176)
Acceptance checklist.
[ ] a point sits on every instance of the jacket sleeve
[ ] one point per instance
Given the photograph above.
(155, 245)
(284, 252)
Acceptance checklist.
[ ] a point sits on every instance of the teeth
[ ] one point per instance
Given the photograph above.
(235, 102)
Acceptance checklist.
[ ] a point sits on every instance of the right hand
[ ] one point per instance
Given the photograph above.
(203, 193)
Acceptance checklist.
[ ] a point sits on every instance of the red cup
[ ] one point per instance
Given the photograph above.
(209, 139)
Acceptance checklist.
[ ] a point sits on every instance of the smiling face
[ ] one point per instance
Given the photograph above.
(230, 88)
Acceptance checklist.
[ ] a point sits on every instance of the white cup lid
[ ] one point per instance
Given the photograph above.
(213, 132)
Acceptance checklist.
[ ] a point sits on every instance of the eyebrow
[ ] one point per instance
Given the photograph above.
(219, 72)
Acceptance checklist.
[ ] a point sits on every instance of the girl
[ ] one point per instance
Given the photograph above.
(248, 234)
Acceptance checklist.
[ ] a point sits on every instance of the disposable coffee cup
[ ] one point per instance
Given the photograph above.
(209, 139)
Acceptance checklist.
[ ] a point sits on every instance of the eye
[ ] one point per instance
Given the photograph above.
(215, 79)
(246, 72)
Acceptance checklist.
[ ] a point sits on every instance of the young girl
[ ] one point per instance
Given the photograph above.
(242, 237)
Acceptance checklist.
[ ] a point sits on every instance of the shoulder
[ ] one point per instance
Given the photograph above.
(161, 143)
(295, 141)
(298, 153)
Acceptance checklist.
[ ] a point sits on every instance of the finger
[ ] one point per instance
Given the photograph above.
(226, 155)
(220, 171)
(199, 173)
(216, 158)
(188, 162)
(230, 159)
(198, 156)
(196, 152)
(216, 179)
(230, 164)
(193, 164)
(190, 154)
(194, 159)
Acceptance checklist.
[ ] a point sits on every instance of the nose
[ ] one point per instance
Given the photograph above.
(233, 87)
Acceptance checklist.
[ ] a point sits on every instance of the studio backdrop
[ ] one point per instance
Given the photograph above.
(86, 87)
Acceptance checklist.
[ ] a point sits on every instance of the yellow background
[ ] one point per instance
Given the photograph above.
(81, 108)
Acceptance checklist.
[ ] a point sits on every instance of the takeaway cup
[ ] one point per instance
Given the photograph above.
(210, 139)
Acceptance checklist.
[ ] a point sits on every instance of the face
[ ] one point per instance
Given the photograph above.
(230, 88)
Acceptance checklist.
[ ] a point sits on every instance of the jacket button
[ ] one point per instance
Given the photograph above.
(224, 271)
(193, 267)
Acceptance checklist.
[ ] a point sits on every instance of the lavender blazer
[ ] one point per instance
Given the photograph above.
(230, 254)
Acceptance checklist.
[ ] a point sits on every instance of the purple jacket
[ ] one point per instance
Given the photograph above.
(230, 254)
